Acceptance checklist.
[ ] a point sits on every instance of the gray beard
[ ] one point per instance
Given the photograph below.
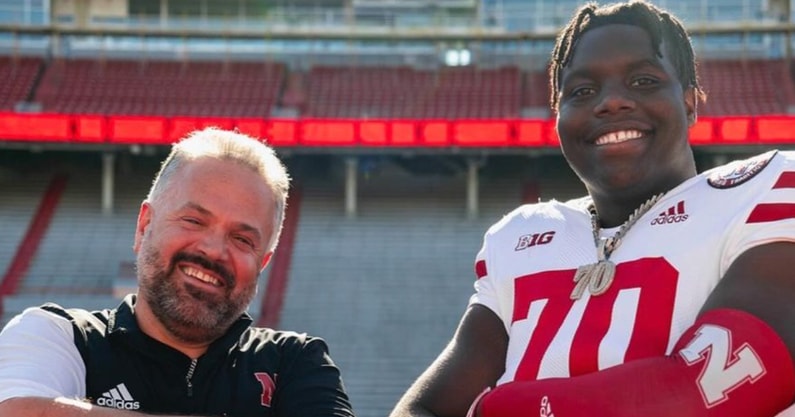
(189, 314)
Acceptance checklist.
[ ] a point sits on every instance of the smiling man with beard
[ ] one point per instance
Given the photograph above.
(183, 345)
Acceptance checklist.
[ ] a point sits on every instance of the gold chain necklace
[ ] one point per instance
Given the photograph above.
(598, 277)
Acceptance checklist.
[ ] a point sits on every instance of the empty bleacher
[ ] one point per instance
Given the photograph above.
(78, 257)
(403, 92)
(17, 77)
(166, 88)
(255, 89)
(387, 289)
(535, 94)
(746, 87)
(21, 193)
(734, 87)
(81, 251)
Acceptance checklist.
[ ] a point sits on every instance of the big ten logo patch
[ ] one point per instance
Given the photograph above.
(526, 241)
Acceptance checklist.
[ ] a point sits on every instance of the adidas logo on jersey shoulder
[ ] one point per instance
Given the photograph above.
(118, 397)
(674, 214)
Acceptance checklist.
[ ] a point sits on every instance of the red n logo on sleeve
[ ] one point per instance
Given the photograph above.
(268, 386)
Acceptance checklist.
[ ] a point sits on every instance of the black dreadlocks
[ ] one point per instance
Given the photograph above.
(661, 26)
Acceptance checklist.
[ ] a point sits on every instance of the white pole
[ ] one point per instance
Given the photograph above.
(472, 189)
(351, 164)
(108, 165)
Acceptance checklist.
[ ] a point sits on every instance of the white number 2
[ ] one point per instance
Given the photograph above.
(725, 369)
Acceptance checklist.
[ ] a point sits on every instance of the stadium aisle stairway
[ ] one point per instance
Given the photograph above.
(29, 244)
(20, 192)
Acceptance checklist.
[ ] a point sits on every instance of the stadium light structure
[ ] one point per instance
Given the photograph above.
(457, 57)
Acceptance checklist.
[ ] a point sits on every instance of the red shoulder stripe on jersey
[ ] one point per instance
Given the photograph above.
(771, 212)
(785, 180)
(480, 269)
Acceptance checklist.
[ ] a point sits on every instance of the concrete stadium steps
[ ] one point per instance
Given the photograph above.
(83, 248)
(21, 194)
(387, 289)
(81, 252)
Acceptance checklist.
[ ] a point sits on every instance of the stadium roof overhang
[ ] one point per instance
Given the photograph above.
(358, 32)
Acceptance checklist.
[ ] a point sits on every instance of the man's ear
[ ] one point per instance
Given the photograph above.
(265, 260)
(691, 104)
(144, 218)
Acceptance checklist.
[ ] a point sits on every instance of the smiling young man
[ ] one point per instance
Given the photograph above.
(663, 292)
(183, 345)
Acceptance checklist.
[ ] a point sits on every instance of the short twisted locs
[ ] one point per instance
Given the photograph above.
(663, 28)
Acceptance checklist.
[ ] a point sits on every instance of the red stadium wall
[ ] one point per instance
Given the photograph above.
(412, 133)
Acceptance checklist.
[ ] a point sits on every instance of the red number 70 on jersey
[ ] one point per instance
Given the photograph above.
(564, 337)
(561, 337)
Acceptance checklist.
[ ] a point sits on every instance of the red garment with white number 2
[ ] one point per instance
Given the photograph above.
(666, 266)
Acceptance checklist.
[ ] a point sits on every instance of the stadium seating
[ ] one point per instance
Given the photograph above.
(20, 196)
(386, 290)
(734, 87)
(79, 255)
(17, 78)
(81, 240)
(746, 87)
(168, 88)
(403, 92)
(535, 94)
(249, 89)
(387, 313)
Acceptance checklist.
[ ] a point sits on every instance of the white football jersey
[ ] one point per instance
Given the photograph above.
(666, 266)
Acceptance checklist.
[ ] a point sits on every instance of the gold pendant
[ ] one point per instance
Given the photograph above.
(596, 277)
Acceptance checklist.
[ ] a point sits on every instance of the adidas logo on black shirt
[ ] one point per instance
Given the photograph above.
(119, 398)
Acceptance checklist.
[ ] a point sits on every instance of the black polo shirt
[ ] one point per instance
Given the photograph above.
(250, 371)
